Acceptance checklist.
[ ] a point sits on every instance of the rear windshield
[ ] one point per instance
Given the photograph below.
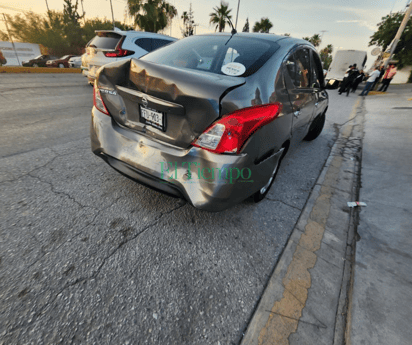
(211, 53)
(105, 40)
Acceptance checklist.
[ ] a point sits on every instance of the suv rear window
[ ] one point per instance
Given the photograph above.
(150, 44)
(210, 53)
(105, 40)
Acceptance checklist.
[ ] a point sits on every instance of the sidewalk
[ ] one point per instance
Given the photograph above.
(381, 310)
(325, 289)
(305, 300)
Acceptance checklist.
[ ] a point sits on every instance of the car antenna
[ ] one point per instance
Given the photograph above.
(233, 32)
(233, 28)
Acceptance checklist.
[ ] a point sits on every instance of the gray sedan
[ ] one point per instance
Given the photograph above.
(209, 118)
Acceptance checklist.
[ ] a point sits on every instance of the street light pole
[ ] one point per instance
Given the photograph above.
(237, 13)
(11, 39)
(399, 33)
(111, 6)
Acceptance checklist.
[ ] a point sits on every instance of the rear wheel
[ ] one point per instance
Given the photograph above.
(262, 192)
(35, 65)
(61, 65)
(316, 127)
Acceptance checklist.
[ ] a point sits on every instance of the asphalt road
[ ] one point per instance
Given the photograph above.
(89, 256)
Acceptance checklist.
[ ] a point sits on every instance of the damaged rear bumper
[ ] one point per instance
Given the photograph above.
(209, 181)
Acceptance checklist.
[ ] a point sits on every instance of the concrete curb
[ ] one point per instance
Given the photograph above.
(5, 69)
(305, 301)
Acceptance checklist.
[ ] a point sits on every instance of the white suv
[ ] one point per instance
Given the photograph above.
(109, 46)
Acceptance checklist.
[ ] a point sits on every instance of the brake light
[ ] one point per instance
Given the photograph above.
(119, 52)
(98, 101)
(229, 134)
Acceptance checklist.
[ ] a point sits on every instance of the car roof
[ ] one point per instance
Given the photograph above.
(139, 33)
(286, 40)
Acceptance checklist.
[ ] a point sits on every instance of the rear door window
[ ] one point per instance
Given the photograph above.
(317, 71)
(144, 43)
(157, 43)
(299, 69)
(302, 59)
(105, 40)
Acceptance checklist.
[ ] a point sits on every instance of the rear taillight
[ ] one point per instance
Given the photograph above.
(229, 134)
(98, 101)
(119, 52)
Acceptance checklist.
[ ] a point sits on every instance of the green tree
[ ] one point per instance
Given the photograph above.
(315, 40)
(246, 27)
(91, 25)
(263, 26)
(71, 25)
(60, 32)
(386, 32)
(151, 15)
(188, 22)
(326, 56)
(47, 30)
(220, 16)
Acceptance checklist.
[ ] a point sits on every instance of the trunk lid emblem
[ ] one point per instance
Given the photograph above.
(145, 102)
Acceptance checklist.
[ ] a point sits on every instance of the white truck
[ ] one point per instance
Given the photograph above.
(341, 62)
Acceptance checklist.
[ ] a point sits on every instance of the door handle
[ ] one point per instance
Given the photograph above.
(296, 113)
(316, 104)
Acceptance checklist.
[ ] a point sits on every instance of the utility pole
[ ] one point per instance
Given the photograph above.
(47, 5)
(111, 6)
(237, 13)
(399, 33)
(84, 17)
(11, 39)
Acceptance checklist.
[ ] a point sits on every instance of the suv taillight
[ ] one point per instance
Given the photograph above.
(119, 52)
(229, 134)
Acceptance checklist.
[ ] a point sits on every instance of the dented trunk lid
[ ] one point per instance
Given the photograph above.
(169, 104)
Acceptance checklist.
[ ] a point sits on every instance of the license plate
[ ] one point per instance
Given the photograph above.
(152, 118)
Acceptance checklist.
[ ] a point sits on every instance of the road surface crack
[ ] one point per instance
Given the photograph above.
(272, 199)
(97, 271)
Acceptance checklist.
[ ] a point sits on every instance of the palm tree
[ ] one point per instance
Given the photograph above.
(263, 26)
(188, 22)
(220, 16)
(246, 27)
(329, 48)
(315, 40)
(151, 15)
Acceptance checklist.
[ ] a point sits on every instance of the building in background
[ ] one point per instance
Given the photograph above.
(25, 51)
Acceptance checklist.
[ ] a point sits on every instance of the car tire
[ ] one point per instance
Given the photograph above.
(262, 192)
(61, 65)
(35, 65)
(316, 127)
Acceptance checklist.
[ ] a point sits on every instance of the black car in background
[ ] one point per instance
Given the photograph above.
(209, 118)
(39, 61)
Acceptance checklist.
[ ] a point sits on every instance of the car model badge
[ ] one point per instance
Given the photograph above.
(145, 101)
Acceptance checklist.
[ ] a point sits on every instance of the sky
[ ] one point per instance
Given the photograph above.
(347, 24)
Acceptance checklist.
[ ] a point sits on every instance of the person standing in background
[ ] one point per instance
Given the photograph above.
(374, 75)
(387, 77)
(3, 60)
(382, 72)
(350, 76)
(358, 80)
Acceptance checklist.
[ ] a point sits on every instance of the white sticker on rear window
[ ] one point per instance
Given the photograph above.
(233, 68)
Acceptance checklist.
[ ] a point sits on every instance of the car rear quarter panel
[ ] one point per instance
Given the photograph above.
(263, 87)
